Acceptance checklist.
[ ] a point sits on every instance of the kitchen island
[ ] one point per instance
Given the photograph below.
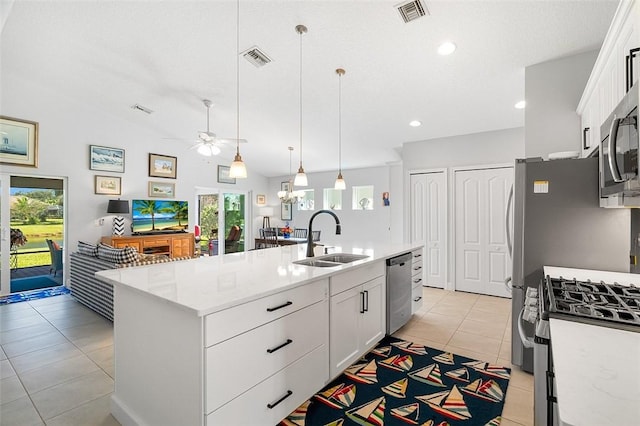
(241, 338)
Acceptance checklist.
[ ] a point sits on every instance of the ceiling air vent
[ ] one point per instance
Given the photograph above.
(256, 56)
(410, 11)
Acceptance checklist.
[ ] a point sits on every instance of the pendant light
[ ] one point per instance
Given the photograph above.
(340, 183)
(290, 196)
(238, 168)
(301, 177)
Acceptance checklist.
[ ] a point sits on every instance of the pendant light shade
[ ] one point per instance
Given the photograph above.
(290, 196)
(301, 176)
(340, 183)
(238, 168)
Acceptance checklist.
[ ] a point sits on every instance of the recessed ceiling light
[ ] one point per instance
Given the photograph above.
(415, 123)
(446, 48)
(520, 105)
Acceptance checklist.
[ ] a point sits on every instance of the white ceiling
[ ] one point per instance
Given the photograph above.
(169, 55)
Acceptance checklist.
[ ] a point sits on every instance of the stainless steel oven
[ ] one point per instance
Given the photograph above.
(619, 162)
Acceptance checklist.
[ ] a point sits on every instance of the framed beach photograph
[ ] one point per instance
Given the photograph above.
(261, 199)
(105, 159)
(107, 185)
(286, 211)
(19, 145)
(223, 175)
(163, 166)
(162, 189)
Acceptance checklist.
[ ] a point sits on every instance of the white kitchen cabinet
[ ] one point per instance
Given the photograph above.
(416, 281)
(607, 83)
(357, 318)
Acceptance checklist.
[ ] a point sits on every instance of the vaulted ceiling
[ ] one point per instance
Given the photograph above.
(170, 55)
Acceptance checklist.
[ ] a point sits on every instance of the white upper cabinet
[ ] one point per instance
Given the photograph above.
(608, 81)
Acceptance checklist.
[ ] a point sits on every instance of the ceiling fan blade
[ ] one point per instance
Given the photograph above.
(227, 140)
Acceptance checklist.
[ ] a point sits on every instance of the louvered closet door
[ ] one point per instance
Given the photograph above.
(429, 223)
(481, 256)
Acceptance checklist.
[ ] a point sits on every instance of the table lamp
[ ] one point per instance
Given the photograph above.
(118, 206)
(266, 213)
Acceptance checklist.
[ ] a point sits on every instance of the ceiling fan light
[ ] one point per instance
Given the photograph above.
(301, 178)
(238, 169)
(340, 183)
(208, 150)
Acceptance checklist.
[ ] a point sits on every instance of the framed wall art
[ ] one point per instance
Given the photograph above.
(286, 211)
(163, 166)
(106, 159)
(162, 189)
(19, 142)
(223, 175)
(261, 199)
(107, 185)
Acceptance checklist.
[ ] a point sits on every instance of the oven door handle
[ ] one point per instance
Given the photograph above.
(527, 342)
(612, 147)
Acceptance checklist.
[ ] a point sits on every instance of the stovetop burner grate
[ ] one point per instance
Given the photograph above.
(599, 303)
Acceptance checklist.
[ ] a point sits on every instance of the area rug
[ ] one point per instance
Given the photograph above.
(32, 283)
(400, 383)
(33, 295)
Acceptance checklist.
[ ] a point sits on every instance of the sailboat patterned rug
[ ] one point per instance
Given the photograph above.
(400, 383)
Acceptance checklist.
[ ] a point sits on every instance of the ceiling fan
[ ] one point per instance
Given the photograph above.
(208, 144)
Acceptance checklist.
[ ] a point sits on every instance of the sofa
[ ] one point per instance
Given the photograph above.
(95, 294)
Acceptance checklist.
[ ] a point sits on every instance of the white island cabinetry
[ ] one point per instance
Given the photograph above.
(357, 314)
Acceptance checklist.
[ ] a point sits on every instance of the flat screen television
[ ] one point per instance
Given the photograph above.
(159, 217)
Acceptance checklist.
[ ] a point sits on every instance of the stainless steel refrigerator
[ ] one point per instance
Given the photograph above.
(557, 221)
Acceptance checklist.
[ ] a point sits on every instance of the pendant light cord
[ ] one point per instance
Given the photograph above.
(301, 33)
(238, 77)
(339, 123)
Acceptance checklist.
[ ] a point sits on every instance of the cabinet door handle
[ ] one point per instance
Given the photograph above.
(417, 299)
(287, 395)
(284, 305)
(584, 138)
(362, 302)
(366, 298)
(417, 281)
(272, 350)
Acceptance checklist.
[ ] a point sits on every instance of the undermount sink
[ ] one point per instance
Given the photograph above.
(329, 260)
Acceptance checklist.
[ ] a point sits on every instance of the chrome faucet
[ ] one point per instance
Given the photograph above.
(310, 243)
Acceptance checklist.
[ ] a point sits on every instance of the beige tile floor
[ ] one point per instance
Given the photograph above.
(56, 356)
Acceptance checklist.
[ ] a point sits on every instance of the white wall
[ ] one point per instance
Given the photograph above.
(552, 92)
(66, 131)
(357, 225)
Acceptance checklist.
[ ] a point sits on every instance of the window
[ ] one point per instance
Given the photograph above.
(332, 199)
(306, 202)
(362, 198)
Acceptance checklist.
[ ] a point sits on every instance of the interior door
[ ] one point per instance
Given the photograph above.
(429, 223)
(482, 259)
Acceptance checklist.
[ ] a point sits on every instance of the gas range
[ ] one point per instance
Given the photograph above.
(608, 305)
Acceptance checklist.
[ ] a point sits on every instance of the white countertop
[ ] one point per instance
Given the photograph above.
(597, 374)
(210, 284)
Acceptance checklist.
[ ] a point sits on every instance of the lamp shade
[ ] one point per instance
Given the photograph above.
(266, 211)
(118, 206)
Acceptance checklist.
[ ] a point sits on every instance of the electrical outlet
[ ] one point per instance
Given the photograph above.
(99, 222)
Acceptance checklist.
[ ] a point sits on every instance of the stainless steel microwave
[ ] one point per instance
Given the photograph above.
(619, 161)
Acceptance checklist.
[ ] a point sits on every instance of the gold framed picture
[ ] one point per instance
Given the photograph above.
(19, 142)
(162, 189)
(107, 185)
(163, 166)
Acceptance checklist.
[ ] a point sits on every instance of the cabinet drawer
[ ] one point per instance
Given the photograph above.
(417, 255)
(233, 321)
(156, 243)
(416, 298)
(350, 279)
(245, 360)
(416, 269)
(298, 382)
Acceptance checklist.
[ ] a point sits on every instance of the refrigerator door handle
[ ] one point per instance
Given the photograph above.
(611, 145)
(527, 342)
(507, 222)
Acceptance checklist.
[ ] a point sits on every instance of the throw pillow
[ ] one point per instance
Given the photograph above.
(116, 255)
(87, 249)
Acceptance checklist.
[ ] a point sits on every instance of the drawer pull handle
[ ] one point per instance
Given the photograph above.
(284, 305)
(417, 255)
(417, 281)
(289, 393)
(288, 342)
(417, 299)
(417, 268)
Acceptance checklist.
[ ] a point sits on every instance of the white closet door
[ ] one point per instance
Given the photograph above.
(429, 223)
(482, 259)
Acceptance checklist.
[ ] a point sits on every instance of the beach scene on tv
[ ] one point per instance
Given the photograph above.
(159, 216)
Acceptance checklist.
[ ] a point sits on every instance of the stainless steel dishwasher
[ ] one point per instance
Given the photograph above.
(398, 291)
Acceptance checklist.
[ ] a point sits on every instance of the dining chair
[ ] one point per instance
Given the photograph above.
(315, 235)
(231, 243)
(56, 257)
(270, 237)
(299, 233)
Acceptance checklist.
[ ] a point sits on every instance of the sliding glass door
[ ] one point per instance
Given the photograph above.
(5, 244)
(222, 217)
